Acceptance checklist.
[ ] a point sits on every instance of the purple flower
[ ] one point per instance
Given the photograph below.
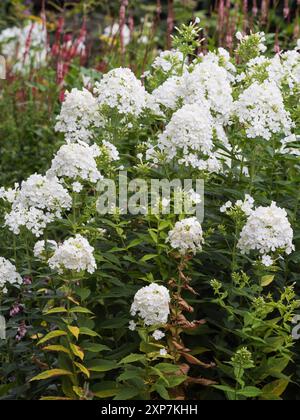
(27, 281)
(16, 309)
(22, 330)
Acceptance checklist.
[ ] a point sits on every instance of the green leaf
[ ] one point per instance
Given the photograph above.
(57, 348)
(51, 374)
(133, 358)
(51, 335)
(250, 392)
(224, 388)
(127, 393)
(83, 369)
(153, 235)
(74, 330)
(81, 310)
(150, 347)
(167, 368)
(148, 257)
(176, 380)
(83, 293)
(77, 351)
(135, 242)
(101, 365)
(55, 311)
(96, 348)
(161, 390)
(106, 389)
(165, 224)
(267, 280)
(88, 331)
(275, 388)
(131, 372)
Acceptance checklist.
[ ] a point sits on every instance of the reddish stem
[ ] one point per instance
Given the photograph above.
(286, 10)
(28, 43)
(170, 23)
(122, 21)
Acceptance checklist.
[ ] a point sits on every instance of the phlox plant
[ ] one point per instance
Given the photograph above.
(158, 304)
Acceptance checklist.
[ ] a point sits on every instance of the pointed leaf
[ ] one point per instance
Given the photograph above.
(51, 374)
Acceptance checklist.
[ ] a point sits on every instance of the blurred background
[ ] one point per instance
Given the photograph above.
(221, 18)
(77, 41)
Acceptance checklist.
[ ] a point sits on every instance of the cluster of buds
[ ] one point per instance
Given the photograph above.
(16, 309)
(22, 331)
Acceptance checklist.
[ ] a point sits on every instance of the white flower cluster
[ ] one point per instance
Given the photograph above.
(169, 61)
(245, 206)
(78, 116)
(288, 145)
(76, 161)
(110, 151)
(151, 304)
(207, 82)
(187, 236)
(259, 37)
(42, 247)
(74, 254)
(158, 335)
(261, 109)
(189, 133)
(222, 58)
(8, 275)
(267, 230)
(170, 93)
(36, 203)
(25, 47)
(211, 82)
(120, 89)
(284, 69)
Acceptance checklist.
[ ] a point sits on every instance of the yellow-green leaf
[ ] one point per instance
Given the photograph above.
(133, 358)
(73, 300)
(148, 257)
(77, 351)
(267, 280)
(51, 374)
(52, 334)
(74, 330)
(57, 348)
(81, 310)
(88, 331)
(79, 391)
(276, 388)
(55, 311)
(36, 336)
(83, 369)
